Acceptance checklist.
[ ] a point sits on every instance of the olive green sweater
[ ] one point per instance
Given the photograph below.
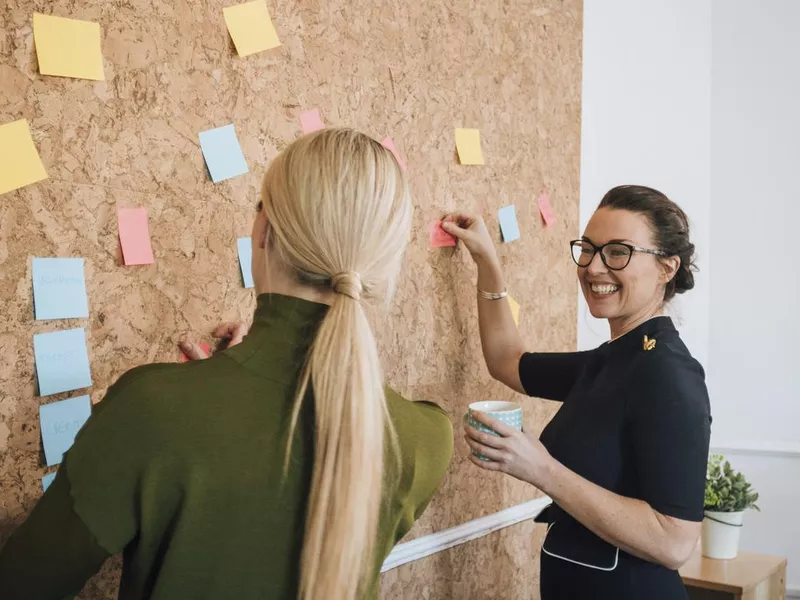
(180, 467)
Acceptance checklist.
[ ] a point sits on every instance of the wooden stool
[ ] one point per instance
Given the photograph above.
(746, 577)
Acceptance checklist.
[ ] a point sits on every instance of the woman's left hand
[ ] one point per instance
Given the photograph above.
(517, 453)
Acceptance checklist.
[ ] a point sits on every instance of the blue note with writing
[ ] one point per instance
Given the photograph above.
(245, 245)
(47, 480)
(62, 363)
(508, 223)
(223, 154)
(60, 422)
(59, 288)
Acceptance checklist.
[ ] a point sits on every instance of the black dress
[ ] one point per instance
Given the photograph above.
(635, 420)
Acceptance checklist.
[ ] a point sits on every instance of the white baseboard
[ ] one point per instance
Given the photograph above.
(759, 448)
(793, 591)
(442, 540)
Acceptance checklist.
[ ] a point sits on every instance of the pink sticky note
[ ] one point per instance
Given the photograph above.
(439, 237)
(204, 346)
(546, 209)
(134, 236)
(389, 145)
(311, 121)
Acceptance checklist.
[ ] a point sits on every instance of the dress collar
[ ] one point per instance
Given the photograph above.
(645, 337)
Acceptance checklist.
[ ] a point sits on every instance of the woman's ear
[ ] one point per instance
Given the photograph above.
(262, 230)
(670, 265)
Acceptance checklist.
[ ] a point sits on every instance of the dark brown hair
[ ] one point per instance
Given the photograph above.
(670, 228)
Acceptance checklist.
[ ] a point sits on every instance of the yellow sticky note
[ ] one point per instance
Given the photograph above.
(251, 27)
(68, 47)
(20, 164)
(514, 310)
(468, 144)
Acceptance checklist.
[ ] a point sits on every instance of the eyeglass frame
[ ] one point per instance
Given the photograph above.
(599, 249)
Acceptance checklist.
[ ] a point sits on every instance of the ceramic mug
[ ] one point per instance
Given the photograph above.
(509, 413)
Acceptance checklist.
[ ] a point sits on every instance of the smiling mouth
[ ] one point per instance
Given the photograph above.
(604, 289)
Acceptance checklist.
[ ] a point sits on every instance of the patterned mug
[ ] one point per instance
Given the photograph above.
(509, 413)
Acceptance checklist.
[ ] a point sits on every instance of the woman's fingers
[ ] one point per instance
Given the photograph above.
(487, 439)
(192, 351)
(232, 331)
(485, 464)
(487, 451)
(498, 426)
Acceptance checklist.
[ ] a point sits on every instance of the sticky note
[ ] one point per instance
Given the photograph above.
(47, 480)
(546, 209)
(310, 121)
(204, 346)
(245, 245)
(439, 237)
(20, 164)
(60, 422)
(468, 144)
(68, 47)
(62, 363)
(134, 236)
(223, 153)
(389, 145)
(59, 289)
(250, 27)
(514, 310)
(508, 223)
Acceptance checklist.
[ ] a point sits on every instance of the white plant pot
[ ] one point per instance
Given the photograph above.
(721, 534)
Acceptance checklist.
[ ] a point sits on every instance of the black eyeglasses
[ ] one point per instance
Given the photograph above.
(615, 255)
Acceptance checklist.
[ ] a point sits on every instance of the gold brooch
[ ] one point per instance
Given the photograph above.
(648, 344)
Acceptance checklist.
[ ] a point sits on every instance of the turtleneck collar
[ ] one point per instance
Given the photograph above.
(282, 332)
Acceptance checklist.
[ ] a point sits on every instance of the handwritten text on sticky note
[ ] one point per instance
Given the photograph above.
(508, 223)
(245, 247)
(60, 422)
(389, 145)
(546, 209)
(59, 289)
(20, 164)
(310, 121)
(134, 236)
(62, 362)
(68, 47)
(439, 237)
(468, 145)
(251, 27)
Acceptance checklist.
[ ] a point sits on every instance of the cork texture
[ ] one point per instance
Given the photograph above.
(414, 71)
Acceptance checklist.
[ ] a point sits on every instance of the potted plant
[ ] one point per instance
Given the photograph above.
(728, 495)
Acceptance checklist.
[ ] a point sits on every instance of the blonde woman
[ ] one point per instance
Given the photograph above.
(280, 468)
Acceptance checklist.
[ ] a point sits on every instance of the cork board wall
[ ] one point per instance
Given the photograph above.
(414, 71)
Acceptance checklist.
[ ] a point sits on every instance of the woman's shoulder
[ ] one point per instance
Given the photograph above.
(418, 415)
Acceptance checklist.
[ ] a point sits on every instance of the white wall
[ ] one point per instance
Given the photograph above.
(645, 120)
(754, 372)
(701, 99)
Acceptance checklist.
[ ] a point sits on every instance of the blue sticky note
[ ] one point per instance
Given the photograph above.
(222, 152)
(62, 363)
(508, 223)
(47, 480)
(245, 245)
(59, 288)
(60, 422)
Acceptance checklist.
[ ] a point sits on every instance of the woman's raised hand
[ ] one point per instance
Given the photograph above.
(230, 334)
(471, 230)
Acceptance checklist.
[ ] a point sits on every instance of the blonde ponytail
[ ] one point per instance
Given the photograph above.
(340, 211)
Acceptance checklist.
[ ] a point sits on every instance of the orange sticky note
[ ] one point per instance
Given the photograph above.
(389, 145)
(204, 346)
(251, 27)
(20, 164)
(311, 121)
(468, 145)
(134, 236)
(514, 310)
(546, 209)
(439, 237)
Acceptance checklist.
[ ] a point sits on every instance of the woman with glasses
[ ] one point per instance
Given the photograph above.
(624, 459)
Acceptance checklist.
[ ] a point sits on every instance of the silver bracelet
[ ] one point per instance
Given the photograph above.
(493, 295)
